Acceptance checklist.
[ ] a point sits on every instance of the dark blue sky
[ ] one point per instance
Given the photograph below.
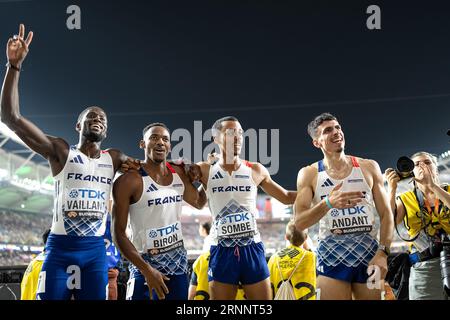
(273, 64)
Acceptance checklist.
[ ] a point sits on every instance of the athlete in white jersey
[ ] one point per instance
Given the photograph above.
(152, 200)
(83, 175)
(344, 193)
(237, 253)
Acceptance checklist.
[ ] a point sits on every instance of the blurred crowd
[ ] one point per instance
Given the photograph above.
(23, 228)
(20, 228)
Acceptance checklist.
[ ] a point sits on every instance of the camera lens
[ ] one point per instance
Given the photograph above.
(445, 269)
(405, 166)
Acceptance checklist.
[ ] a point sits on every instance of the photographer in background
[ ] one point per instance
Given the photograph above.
(425, 213)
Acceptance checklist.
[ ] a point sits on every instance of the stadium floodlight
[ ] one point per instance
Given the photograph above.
(10, 134)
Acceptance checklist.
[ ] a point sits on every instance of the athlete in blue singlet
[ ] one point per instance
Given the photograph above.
(344, 194)
(83, 173)
(152, 201)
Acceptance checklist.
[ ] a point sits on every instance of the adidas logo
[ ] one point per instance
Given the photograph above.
(152, 188)
(218, 175)
(327, 183)
(77, 159)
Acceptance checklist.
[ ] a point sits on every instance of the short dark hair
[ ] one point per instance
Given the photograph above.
(217, 126)
(80, 116)
(155, 124)
(206, 226)
(45, 236)
(321, 118)
(295, 237)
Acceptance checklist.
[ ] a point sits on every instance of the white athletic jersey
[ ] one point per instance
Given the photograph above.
(232, 201)
(156, 227)
(155, 218)
(352, 221)
(82, 191)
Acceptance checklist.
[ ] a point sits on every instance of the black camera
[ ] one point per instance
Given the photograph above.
(405, 167)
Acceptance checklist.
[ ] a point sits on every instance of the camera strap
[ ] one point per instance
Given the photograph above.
(420, 200)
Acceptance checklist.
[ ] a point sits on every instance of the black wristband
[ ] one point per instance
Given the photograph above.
(9, 65)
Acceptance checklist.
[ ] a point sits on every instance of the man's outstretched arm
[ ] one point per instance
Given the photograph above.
(31, 135)
(272, 188)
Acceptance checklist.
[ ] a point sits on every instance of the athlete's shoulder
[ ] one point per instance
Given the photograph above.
(114, 153)
(58, 140)
(255, 166)
(204, 165)
(130, 178)
(308, 172)
(368, 164)
(60, 146)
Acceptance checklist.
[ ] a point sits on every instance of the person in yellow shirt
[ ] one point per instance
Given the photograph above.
(425, 213)
(294, 258)
(28, 286)
(199, 287)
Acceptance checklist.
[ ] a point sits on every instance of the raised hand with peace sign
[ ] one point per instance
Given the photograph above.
(17, 48)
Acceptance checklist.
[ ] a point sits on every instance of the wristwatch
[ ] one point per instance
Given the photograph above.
(385, 249)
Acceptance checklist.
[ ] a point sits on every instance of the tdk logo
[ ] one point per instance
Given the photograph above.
(165, 231)
(232, 189)
(82, 177)
(231, 218)
(87, 194)
(349, 211)
(165, 200)
(334, 212)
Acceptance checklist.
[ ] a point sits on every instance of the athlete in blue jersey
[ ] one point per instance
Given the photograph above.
(113, 261)
(83, 173)
(151, 200)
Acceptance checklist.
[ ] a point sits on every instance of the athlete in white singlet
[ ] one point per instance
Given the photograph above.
(237, 253)
(344, 194)
(75, 253)
(152, 200)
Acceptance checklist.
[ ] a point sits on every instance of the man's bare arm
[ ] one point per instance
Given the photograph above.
(195, 197)
(271, 187)
(123, 190)
(31, 135)
(306, 216)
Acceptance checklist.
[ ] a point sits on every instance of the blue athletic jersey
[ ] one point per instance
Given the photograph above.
(112, 253)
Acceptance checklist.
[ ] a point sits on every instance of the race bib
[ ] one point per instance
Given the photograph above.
(357, 219)
(236, 225)
(164, 239)
(88, 203)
